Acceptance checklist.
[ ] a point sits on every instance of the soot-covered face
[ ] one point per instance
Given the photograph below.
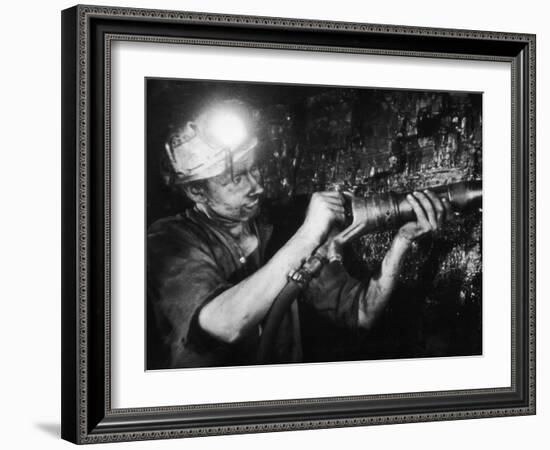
(237, 197)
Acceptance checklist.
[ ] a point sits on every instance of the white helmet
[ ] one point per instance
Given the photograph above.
(209, 145)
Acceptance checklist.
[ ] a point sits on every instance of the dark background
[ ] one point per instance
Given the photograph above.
(364, 140)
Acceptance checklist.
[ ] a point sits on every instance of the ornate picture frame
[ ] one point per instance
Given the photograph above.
(88, 33)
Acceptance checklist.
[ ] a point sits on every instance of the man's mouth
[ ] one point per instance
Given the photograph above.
(253, 204)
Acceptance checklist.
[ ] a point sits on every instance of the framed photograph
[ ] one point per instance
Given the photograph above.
(282, 224)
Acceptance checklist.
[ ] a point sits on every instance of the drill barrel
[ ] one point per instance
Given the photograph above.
(390, 210)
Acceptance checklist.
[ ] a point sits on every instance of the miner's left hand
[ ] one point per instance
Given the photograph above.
(431, 212)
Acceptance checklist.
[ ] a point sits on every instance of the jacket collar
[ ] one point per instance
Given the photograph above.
(260, 227)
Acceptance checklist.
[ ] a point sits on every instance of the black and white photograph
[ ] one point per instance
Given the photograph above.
(291, 223)
(275, 222)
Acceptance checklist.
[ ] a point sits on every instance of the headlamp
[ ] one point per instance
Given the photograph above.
(209, 145)
(226, 129)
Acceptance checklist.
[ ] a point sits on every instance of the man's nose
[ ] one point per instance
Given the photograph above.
(255, 185)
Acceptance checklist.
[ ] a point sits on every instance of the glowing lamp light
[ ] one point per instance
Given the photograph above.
(228, 129)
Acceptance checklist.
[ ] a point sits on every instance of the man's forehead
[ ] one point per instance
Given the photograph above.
(245, 162)
(242, 165)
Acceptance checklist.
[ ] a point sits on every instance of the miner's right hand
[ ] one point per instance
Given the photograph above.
(325, 210)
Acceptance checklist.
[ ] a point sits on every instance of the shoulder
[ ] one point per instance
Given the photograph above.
(175, 233)
(178, 226)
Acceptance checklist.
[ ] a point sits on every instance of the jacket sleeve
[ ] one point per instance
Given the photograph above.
(183, 276)
(336, 295)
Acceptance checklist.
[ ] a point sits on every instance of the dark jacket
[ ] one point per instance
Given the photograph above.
(190, 261)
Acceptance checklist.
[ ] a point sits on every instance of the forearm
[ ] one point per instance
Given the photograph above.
(241, 307)
(381, 287)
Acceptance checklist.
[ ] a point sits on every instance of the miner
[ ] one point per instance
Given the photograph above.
(210, 282)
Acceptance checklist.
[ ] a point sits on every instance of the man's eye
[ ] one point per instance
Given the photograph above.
(237, 179)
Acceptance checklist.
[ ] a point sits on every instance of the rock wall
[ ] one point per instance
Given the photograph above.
(368, 141)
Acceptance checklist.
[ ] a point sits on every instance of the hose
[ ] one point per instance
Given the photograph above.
(278, 309)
